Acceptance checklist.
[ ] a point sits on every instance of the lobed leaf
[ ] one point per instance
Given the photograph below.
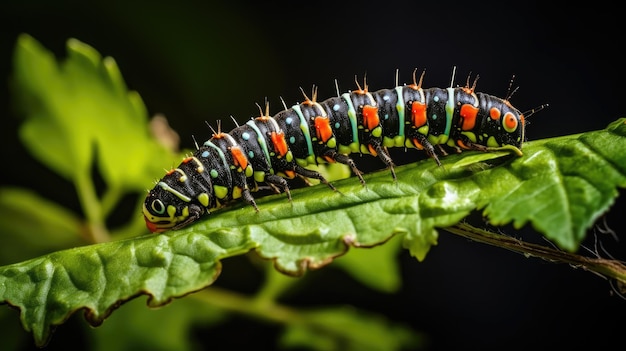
(98, 278)
(79, 108)
(560, 186)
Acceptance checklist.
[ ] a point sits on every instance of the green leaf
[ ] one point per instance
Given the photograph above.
(136, 327)
(32, 226)
(344, 328)
(33, 65)
(576, 176)
(378, 267)
(98, 278)
(561, 186)
(81, 107)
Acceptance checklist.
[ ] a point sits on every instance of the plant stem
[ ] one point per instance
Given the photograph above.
(604, 267)
(92, 208)
(275, 284)
(110, 199)
(242, 304)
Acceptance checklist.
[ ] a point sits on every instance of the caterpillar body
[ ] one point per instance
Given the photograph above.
(270, 149)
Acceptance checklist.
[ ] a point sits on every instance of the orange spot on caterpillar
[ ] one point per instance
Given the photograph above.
(322, 128)
(462, 144)
(418, 114)
(280, 145)
(239, 159)
(510, 122)
(372, 150)
(468, 116)
(370, 117)
(494, 113)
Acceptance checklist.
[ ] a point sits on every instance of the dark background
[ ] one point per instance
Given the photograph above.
(198, 62)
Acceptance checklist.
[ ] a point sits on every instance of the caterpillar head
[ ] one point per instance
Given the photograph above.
(165, 209)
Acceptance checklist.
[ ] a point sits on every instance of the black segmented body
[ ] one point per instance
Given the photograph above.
(271, 149)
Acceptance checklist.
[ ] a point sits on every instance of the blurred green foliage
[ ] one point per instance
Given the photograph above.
(83, 123)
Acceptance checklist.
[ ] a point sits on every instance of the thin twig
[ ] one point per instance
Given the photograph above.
(608, 268)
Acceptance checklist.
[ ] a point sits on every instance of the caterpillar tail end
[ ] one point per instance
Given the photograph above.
(509, 148)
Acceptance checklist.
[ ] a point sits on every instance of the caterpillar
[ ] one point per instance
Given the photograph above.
(271, 149)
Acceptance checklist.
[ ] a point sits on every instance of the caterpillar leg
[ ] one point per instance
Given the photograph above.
(383, 154)
(240, 184)
(422, 143)
(247, 196)
(195, 212)
(344, 159)
(279, 183)
(465, 143)
(443, 152)
(307, 173)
